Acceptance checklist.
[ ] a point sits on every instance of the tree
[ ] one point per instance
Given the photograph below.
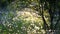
(47, 9)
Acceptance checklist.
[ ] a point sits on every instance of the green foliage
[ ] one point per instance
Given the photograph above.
(24, 22)
(29, 22)
(17, 20)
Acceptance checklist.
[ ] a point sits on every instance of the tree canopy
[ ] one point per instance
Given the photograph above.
(29, 16)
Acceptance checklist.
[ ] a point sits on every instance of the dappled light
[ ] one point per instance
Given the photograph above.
(29, 17)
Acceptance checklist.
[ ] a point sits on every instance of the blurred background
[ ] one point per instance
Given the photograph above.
(29, 16)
